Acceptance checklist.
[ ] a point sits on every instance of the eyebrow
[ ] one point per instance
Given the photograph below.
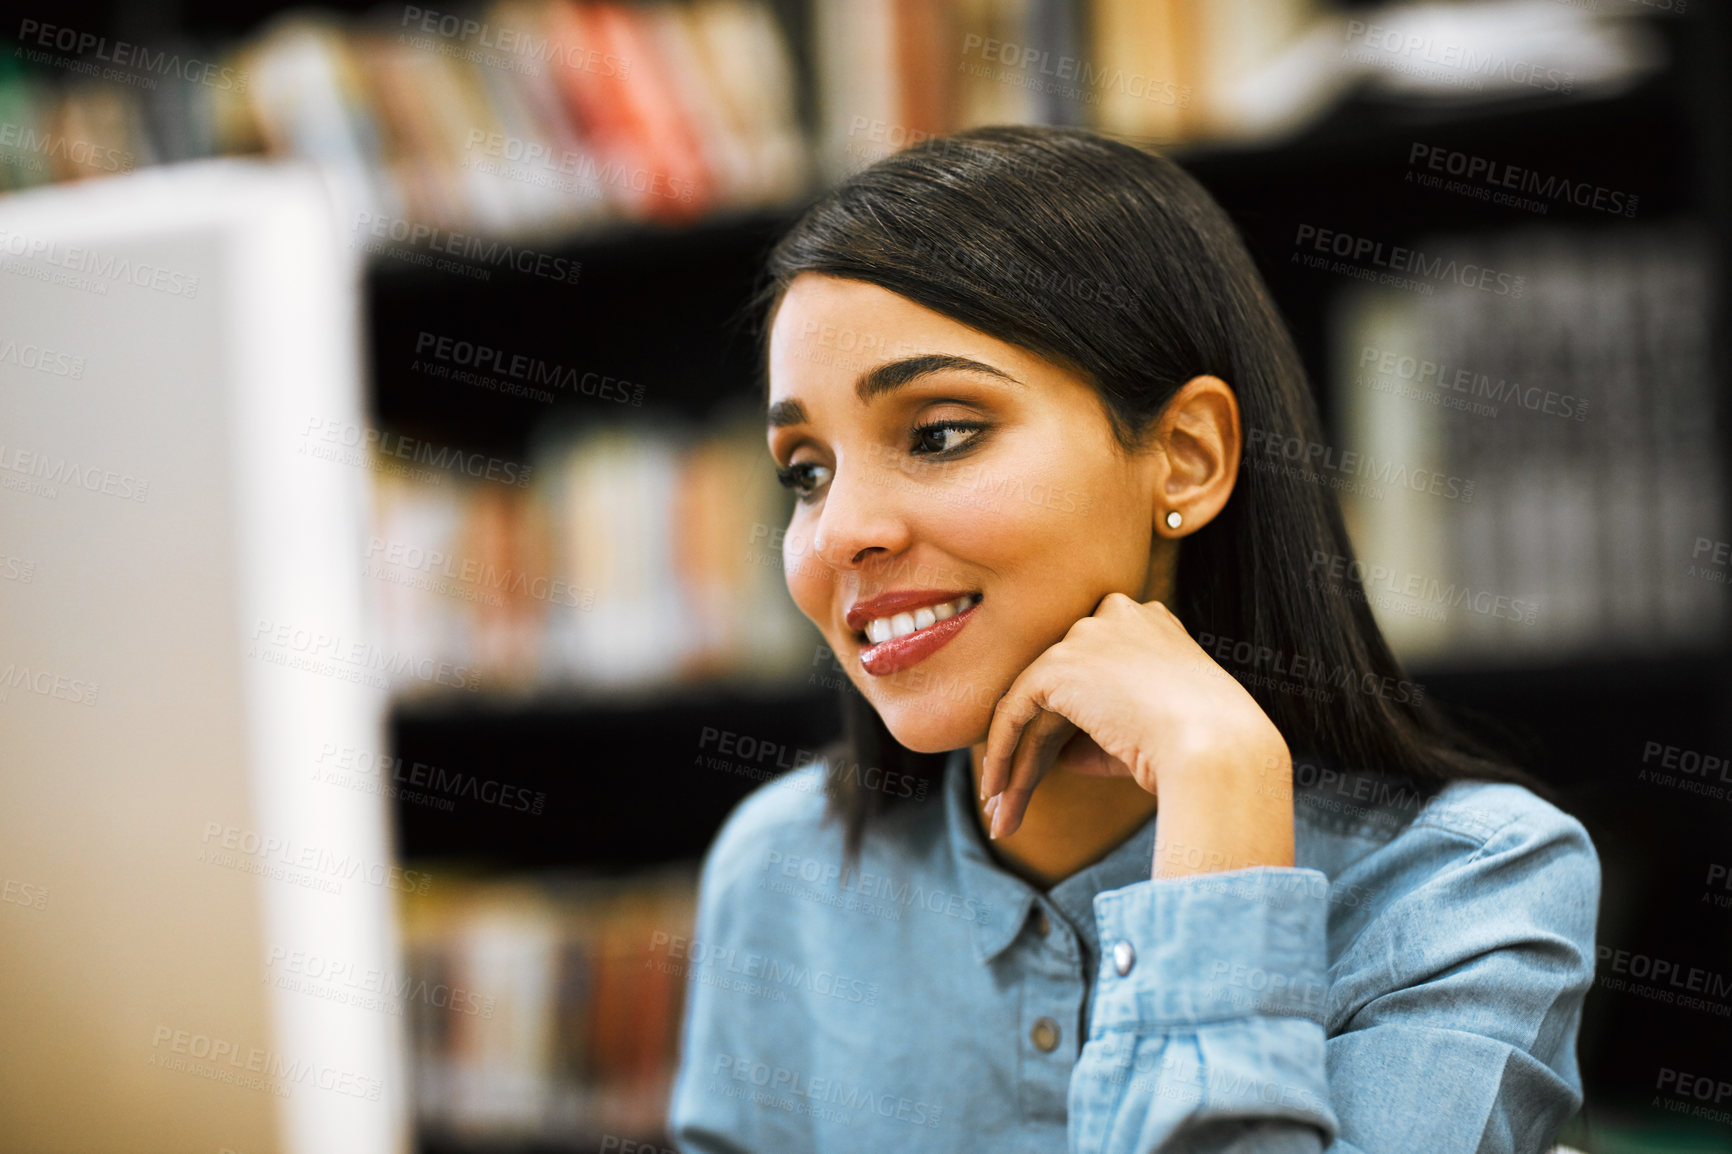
(887, 378)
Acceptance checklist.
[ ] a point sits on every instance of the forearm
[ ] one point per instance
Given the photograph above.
(1235, 814)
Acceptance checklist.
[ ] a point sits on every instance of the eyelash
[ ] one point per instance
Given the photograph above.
(789, 478)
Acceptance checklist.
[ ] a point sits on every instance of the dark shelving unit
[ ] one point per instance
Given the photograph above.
(1579, 726)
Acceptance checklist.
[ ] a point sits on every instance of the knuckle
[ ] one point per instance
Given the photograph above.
(1081, 627)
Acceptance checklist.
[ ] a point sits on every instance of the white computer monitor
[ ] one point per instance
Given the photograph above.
(197, 944)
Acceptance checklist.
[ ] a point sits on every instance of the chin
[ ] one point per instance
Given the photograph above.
(934, 725)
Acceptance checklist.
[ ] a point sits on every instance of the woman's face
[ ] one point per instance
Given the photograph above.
(935, 462)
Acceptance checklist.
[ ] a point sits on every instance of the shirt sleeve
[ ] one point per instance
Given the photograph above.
(1448, 1024)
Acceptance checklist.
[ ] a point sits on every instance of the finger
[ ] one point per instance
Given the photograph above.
(1082, 754)
(1021, 707)
(1015, 710)
(1042, 739)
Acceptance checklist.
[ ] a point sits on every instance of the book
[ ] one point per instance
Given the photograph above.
(639, 555)
(546, 1008)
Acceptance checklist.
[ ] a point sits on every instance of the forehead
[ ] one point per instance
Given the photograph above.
(832, 311)
(829, 331)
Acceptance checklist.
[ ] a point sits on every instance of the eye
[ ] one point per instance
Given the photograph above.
(938, 431)
(798, 477)
(933, 439)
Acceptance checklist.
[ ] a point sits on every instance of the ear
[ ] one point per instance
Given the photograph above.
(1199, 436)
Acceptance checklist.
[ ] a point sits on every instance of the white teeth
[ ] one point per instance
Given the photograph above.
(881, 629)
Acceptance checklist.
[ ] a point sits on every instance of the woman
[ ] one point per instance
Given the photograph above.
(1139, 840)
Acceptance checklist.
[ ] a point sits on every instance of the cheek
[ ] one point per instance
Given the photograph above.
(975, 535)
(809, 580)
(1056, 544)
(1021, 525)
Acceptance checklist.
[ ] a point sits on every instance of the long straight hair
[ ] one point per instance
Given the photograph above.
(1116, 264)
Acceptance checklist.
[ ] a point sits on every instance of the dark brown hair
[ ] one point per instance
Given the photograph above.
(1118, 265)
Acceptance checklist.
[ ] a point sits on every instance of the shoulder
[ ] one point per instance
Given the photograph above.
(1515, 855)
(1403, 832)
(1487, 875)
(780, 820)
(1505, 823)
(782, 838)
(1481, 841)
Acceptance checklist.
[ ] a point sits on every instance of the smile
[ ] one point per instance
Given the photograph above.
(904, 639)
(902, 624)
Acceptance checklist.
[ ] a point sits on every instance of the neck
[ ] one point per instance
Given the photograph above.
(1073, 821)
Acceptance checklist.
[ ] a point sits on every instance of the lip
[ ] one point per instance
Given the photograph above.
(898, 601)
(898, 653)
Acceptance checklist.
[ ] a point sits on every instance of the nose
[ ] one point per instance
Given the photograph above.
(860, 520)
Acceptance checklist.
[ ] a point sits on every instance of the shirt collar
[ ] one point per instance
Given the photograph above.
(1003, 897)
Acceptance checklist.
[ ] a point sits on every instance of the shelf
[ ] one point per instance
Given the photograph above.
(510, 709)
(1642, 674)
(1365, 125)
(677, 763)
(1575, 724)
(692, 282)
(614, 237)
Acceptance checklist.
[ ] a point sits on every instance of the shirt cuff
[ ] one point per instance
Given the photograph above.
(1213, 947)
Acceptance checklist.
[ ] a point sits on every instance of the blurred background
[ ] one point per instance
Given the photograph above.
(558, 209)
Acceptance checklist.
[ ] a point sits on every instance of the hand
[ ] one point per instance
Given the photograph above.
(1127, 692)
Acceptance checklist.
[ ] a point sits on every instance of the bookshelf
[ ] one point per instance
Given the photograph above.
(656, 309)
(1580, 722)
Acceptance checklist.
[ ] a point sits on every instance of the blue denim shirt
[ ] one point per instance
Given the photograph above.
(1413, 985)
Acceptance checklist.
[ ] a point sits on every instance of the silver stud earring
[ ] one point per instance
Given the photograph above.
(1174, 520)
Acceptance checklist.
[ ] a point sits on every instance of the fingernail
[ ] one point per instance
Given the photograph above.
(992, 831)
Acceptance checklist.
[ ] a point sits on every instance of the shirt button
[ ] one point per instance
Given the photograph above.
(1124, 957)
(1044, 1035)
(1041, 925)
